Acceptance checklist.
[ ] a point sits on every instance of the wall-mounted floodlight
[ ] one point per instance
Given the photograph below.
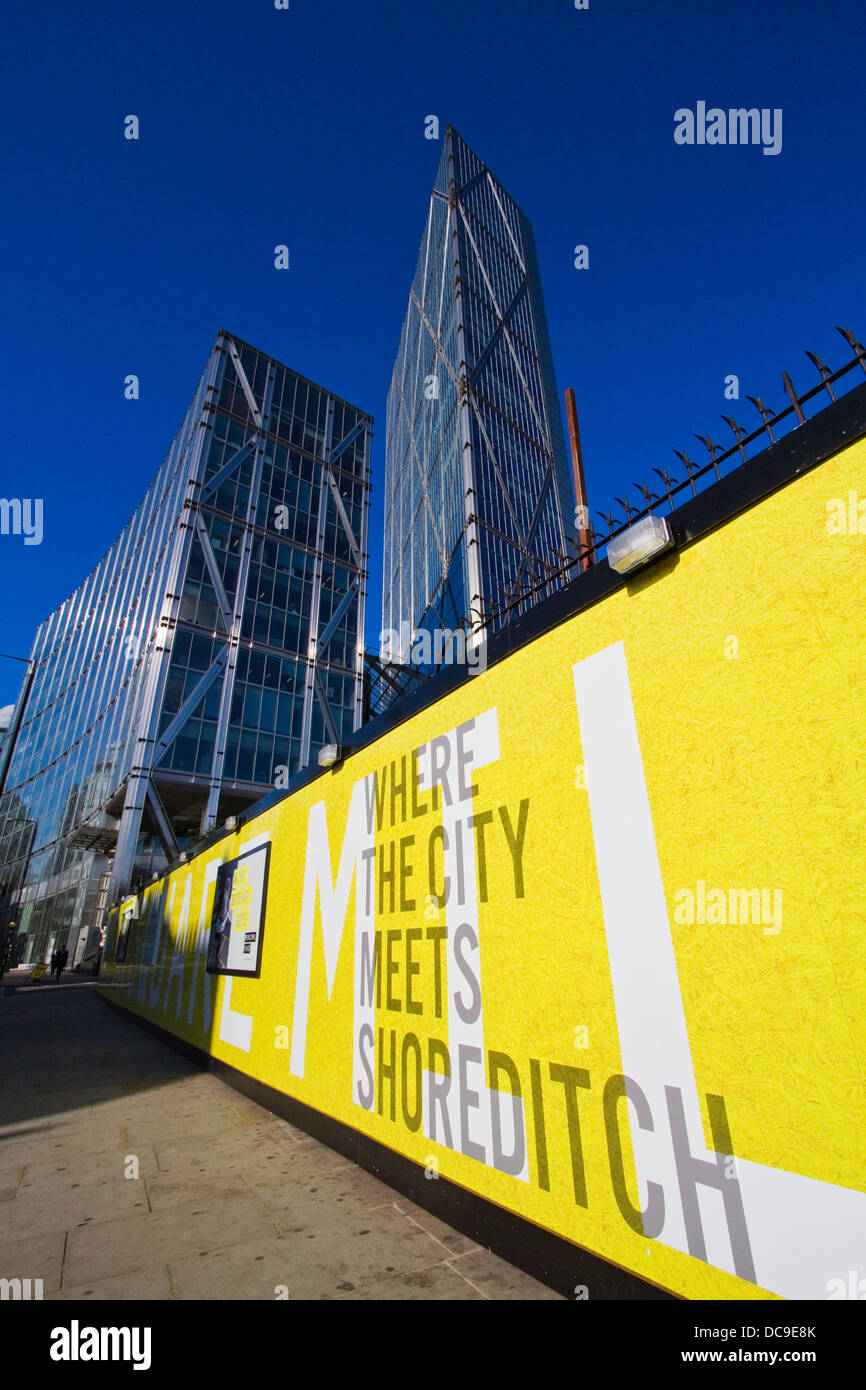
(640, 543)
(329, 755)
(231, 823)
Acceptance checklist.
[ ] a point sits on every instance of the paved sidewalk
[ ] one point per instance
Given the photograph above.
(230, 1202)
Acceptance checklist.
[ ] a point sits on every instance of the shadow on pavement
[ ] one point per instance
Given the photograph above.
(64, 1050)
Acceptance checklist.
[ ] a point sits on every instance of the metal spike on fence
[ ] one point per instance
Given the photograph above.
(586, 559)
(857, 348)
(648, 497)
(825, 371)
(520, 591)
(739, 434)
(586, 550)
(690, 467)
(711, 449)
(793, 397)
(668, 482)
(482, 605)
(766, 415)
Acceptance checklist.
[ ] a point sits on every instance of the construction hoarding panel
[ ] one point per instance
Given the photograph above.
(585, 935)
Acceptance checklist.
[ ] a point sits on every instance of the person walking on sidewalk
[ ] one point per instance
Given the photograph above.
(58, 962)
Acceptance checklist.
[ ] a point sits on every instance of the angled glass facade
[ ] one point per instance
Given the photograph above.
(478, 495)
(214, 649)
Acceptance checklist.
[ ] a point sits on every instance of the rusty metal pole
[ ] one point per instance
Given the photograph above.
(582, 515)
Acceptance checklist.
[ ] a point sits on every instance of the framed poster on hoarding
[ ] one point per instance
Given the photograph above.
(127, 922)
(238, 915)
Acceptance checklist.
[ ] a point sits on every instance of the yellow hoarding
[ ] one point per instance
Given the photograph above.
(585, 935)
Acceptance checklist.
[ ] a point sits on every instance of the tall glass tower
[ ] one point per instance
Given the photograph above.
(216, 646)
(478, 495)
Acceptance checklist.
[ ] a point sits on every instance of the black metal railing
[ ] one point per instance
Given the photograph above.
(697, 472)
(386, 681)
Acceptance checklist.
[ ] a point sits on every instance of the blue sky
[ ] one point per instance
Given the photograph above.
(306, 127)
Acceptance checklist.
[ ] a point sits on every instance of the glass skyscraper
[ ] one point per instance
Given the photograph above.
(479, 499)
(211, 652)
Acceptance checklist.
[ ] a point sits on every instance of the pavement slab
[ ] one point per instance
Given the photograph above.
(316, 1260)
(438, 1283)
(496, 1279)
(100, 1249)
(140, 1285)
(128, 1173)
(33, 1257)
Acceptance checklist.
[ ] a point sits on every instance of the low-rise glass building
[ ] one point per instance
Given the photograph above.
(210, 654)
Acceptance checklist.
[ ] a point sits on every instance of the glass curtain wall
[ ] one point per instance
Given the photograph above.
(478, 494)
(213, 650)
